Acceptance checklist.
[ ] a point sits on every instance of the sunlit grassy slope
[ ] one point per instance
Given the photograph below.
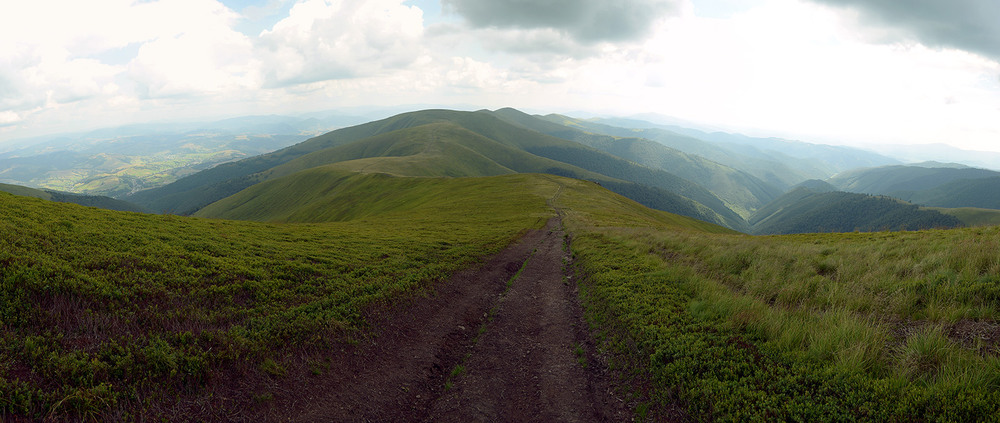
(447, 143)
(85, 200)
(819, 327)
(436, 149)
(110, 315)
(106, 312)
(327, 194)
(972, 216)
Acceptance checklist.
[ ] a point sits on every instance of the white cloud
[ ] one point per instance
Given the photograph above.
(807, 69)
(334, 39)
(798, 69)
(9, 118)
(584, 21)
(212, 60)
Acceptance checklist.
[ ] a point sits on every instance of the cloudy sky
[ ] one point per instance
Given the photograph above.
(837, 71)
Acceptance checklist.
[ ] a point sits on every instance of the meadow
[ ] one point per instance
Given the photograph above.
(820, 327)
(114, 315)
(121, 316)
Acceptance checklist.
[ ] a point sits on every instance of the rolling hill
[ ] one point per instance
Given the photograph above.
(102, 202)
(110, 316)
(782, 163)
(773, 169)
(118, 161)
(455, 144)
(893, 180)
(739, 190)
(978, 193)
(803, 210)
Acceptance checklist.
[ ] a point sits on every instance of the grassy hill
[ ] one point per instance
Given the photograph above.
(114, 315)
(740, 191)
(977, 193)
(781, 163)
(65, 197)
(972, 216)
(123, 316)
(806, 211)
(894, 180)
(775, 170)
(448, 143)
(820, 327)
(328, 194)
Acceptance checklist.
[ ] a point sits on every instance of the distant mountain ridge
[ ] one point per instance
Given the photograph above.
(803, 210)
(475, 144)
(740, 191)
(814, 161)
(951, 186)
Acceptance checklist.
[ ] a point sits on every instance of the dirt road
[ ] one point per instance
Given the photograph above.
(485, 347)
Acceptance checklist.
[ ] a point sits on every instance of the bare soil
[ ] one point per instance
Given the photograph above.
(520, 346)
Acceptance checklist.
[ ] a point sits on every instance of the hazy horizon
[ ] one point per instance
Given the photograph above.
(862, 73)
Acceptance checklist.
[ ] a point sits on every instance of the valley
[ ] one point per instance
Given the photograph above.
(493, 265)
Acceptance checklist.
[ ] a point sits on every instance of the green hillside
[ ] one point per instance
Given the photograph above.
(972, 216)
(102, 202)
(816, 185)
(327, 194)
(979, 193)
(25, 191)
(882, 327)
(775, 168)
(806, 211)
(740, 191)
(894, 180)
(330, 193)
(455, 144)
(123, 315)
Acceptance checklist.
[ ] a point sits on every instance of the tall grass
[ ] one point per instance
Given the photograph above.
(803, 327)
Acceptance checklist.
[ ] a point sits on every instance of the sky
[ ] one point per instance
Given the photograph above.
(854, 72)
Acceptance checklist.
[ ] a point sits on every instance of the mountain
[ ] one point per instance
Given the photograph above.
(794, 159)
(941, 152)
(972, 216)
(979, 193)
(102, 202)
(774, 168)
(739, 190)
(816, 185)
(446, 143)
(805, 211)
(122, 160)
(894, 180)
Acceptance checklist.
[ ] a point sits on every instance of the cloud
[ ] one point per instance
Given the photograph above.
(211, 60)
(335, 39)
(585, 21)
(970, 25)
(8, 118)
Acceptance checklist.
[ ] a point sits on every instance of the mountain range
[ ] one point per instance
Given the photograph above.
(752, 185)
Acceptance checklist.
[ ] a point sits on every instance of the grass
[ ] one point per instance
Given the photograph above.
(108, 314)
(972, 216)
(813, 327)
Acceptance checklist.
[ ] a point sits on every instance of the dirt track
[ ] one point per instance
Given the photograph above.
(523, 351)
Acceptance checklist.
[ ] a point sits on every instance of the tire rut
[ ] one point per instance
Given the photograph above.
(522, 348)
(529, 364)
